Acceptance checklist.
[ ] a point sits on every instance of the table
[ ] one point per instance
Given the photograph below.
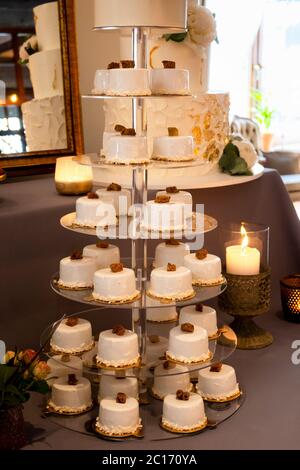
(33, 242)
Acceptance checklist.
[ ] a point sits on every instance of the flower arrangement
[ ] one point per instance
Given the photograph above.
(28, 48)
(21, 373)
(238, 157)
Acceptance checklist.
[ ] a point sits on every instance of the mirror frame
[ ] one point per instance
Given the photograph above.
(72, 100)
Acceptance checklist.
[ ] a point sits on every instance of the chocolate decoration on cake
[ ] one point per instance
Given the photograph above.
(114, 187)
(201, 254)
(65, 358)
(216, 367)
(116, 267)
(187, 327)
(162, 199)
(128, 64)
(172, 190)
(119, 128)
(72, 380)
(173, 242)
(113, 65)
(154, 339)
(130, 131)
(119, 330)
(173, 132)
(169, 64)
(76, 254)
(199, 308)
(171, 267)
(92, 195)
(181, 395)
(121, 398)
(72, 321)
(103, 245)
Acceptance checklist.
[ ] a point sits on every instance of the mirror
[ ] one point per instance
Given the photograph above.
(39, 97)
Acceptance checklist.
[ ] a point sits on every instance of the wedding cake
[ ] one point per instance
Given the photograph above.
(44, 116)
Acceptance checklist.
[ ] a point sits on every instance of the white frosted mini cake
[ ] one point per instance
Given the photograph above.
(76, 271)
(168, 378)
(206, 269)
(171, 251)
(119, 416)
(72, 336)
(162, 215)
(171, 283)
(92, 212)
(127, 149)
(115, 284)
(128, 80)
(161, 315)
(177, 195)
(104, 254)
(111, 385)
(218, 383)
(101, 82)
(173, 147)
(62, 365)
(156, 347)
(118, 197)
(169, 80)
(71, 394)
(188, 344)
(200, 315)
(184, 412)
(118, 348)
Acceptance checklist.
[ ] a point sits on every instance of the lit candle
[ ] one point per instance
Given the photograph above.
(72, 178)
(242, 259)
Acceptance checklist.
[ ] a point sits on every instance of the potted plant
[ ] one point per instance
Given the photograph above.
(21, 372)
(263, 114)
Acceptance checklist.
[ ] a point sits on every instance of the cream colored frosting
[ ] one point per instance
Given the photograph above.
(188, 347)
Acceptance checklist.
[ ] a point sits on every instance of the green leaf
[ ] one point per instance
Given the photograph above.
(240, 167)
(40, 386)
(6, 372)
(177, 37)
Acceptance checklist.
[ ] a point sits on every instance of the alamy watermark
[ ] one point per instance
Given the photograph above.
(295, 357)
(2, 92)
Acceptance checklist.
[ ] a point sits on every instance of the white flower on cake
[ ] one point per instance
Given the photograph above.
(247, 151)
(202, 25)
(29, 47)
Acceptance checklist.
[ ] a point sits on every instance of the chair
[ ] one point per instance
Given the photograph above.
(248, 129)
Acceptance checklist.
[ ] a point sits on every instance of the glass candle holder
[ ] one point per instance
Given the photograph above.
(290, 297)
(72, 178)
(245, 260)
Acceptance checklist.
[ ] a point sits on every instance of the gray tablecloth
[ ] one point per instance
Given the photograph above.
(32, 242)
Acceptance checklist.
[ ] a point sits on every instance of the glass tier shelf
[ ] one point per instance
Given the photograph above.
(132, 97)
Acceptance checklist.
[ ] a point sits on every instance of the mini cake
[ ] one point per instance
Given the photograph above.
(200, 315)
(111, 385)
(118, 197)
(101, 82)
(105, 139)
(162, 215)
(184, 412)
(171, 251)
(169, 80)
(218, 383)
(161, 315)
(176, 196)
(118, 348)
(168, 378)
(127, 148)
(173, 148)
(72, 336)
(156, 347)
(115, 284)
(71, 394)
(128, 81)
(171, 283)
(206, 269)
(92, 212)
(76, 271)
(118, 416)
(188, 344)
(103, 253)
(61, 366)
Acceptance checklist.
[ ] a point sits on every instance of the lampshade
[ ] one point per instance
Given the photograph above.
(72, 178)
(167, 14)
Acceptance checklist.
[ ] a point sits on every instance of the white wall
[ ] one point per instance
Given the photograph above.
(95, 50)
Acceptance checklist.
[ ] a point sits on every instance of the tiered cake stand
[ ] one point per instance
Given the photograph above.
(134, 314)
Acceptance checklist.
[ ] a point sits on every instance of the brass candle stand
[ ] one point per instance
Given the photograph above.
(247, 297)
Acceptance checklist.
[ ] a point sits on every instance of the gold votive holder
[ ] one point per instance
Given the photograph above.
(247, 297)
(72, 178)
(290, 297)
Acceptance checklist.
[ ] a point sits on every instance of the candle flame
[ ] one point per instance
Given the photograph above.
(245, 239)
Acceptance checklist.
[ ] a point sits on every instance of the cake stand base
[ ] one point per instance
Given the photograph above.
(249, 334)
